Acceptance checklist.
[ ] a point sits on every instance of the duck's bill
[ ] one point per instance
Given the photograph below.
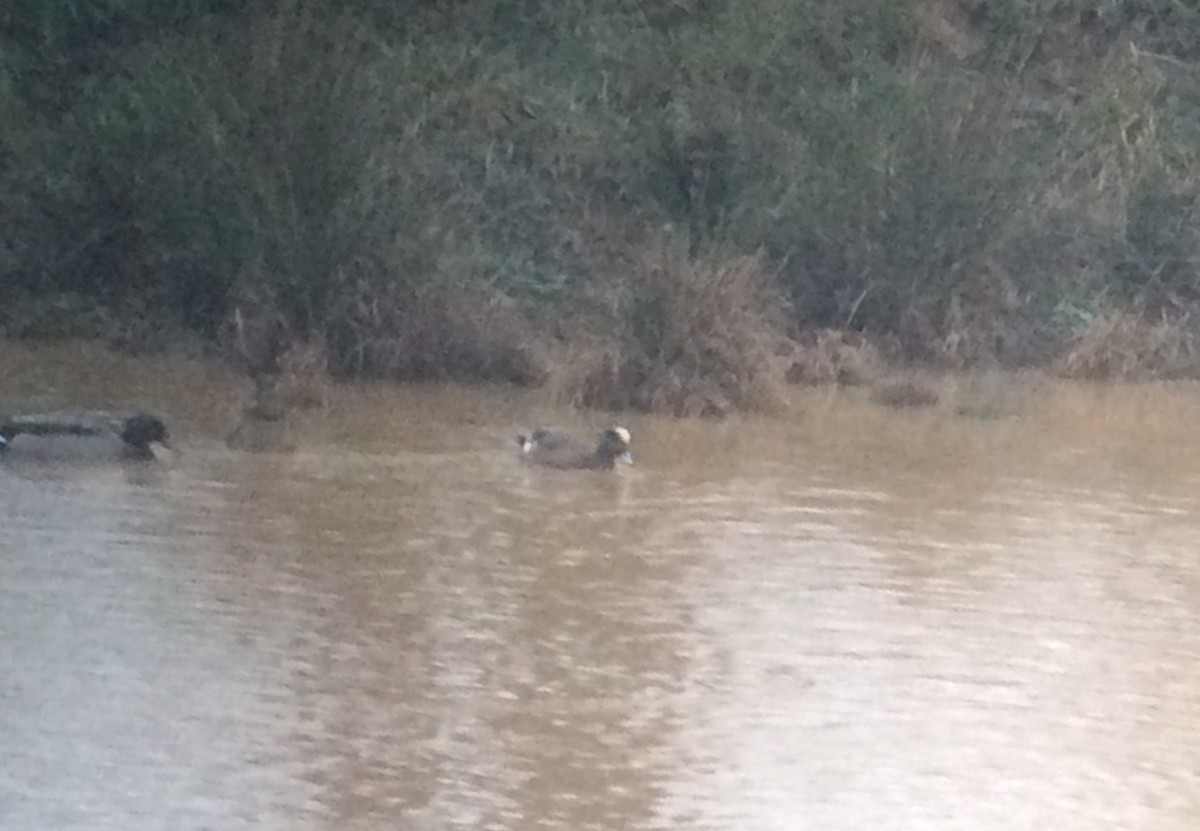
(626, 457)
(163, 449)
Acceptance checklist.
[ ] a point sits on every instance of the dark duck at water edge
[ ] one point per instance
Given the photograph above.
(86, 433)
(549, 448)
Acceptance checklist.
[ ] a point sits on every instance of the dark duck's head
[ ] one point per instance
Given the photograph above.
(140, 432)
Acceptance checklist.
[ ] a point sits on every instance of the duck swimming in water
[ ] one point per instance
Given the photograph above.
(548, 448)
(87, 433)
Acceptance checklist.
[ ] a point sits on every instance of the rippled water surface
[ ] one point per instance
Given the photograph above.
(848, 618)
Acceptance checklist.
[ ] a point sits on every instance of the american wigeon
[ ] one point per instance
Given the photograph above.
(548, 448)
(87, 433)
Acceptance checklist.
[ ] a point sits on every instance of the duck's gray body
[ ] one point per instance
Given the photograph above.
(543, 440)
(548, 448)
(86, 433)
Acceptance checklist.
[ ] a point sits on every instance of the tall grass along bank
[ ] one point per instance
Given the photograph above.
(658, 205)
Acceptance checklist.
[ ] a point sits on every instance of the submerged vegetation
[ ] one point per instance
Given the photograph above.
(674, 205)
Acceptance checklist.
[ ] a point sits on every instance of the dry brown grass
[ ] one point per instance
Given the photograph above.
(429, 331)
(1123, 346)
(834, 356)
(697, 336)
(304, 374)
(906, 393)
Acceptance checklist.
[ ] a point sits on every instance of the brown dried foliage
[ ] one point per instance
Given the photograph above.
(694, 337)
(431, 330)
(835, 356)
(1122, 346)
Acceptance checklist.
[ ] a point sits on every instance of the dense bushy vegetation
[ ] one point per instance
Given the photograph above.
(493, 188)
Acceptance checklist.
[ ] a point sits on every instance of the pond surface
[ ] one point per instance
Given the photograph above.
(847, 618)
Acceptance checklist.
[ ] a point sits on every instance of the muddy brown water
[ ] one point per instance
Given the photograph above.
(845, 618)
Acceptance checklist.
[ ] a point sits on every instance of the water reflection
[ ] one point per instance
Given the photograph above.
(850, 620)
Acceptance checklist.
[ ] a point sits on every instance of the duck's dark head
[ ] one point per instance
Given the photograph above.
(142, 430)
(614, 444)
